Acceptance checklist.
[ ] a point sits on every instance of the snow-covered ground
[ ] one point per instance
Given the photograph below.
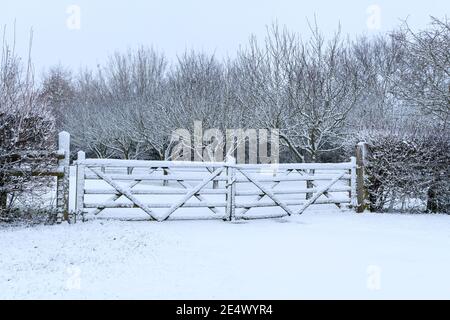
(326, 253)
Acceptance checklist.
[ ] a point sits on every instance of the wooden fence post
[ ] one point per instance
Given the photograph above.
(231, 188)
(79, 201)
(353, 179)
(361, 190)
(62, 182)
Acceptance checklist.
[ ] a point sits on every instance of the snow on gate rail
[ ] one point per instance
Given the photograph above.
(176, 190)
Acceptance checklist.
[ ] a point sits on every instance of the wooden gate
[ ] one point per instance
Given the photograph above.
(322, 177)
(214, 190)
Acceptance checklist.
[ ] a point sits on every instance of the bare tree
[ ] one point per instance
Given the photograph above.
(118, 107)
(57, 91)
(305, 89)
(199, 92)
(424, 77)
(377, 60)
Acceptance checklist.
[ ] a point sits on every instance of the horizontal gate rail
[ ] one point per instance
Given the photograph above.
(147, 177)
(254, 204)
(147, 164)
(215, 191)
(299, 178)
(297, 166)
(112, 204)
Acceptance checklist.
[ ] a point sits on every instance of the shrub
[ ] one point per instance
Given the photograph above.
(408, 173)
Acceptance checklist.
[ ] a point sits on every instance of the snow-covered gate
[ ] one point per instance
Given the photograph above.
(213, 190)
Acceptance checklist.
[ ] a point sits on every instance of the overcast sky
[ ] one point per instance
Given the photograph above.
(84, 32)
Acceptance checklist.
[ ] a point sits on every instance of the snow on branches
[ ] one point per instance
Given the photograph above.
(409, 172)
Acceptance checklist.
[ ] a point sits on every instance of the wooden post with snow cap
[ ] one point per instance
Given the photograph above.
(231, 188)
(62, 183)
(352, 183)
(79, 200)
(362, 194)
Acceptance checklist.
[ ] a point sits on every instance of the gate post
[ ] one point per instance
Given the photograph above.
(62, 182)
(353, 179)
(361, 190)
(231, 188)
(79, 200)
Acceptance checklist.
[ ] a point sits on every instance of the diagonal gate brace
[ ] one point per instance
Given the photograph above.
(125, 191)
(191, 193)
(269, 193)
(320, 192)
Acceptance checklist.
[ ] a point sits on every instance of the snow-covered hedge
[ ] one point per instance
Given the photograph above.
(408, 173)
(26, 142)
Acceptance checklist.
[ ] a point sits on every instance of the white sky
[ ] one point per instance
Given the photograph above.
(172, 26)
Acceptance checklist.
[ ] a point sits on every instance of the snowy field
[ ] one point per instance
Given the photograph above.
(326, 253)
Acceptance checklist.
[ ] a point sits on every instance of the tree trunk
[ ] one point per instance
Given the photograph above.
(291, 147)
(3, 198)
(432, 201)
(165, 173)
(310, 183)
